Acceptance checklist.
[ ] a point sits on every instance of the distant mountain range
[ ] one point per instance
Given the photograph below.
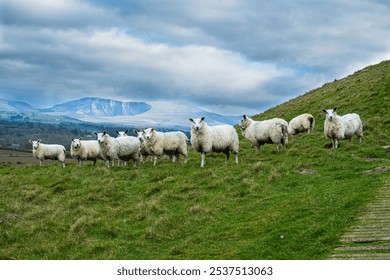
(16, 106)
(167, 115)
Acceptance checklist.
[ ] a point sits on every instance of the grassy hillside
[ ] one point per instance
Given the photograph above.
(291, 204)
(366, 92)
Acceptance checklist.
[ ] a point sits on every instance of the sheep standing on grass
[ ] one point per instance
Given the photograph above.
(342, 127)
(258, 133)
(48, 151)
(144, 152)
(123, 148)
(206, 139)
(121, 134)
(85, 150)
(301, 123)
(172, 143)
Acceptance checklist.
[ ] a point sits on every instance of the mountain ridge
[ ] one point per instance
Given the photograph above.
(163, 115)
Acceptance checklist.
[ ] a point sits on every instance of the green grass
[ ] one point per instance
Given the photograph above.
(261, 208)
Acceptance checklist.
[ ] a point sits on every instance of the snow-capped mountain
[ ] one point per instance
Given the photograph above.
(136, 114)
(98, 107)
(167, 115)
(16, 106)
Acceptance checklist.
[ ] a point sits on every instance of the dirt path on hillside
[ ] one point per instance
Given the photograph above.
(369, 239)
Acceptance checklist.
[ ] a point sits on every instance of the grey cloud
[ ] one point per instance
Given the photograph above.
(221, 55)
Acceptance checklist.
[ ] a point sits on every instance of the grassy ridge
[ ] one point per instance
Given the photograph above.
(262, 208)
(366, 92)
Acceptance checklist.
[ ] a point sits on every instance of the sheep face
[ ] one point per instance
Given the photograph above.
(330, 113)
(148, 133)
(197, 124)
(35, 144)
(76, 143)
(101, 136)
(244, 123)
(140, 135)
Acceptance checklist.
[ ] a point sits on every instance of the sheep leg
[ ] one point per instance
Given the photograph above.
(236, 156)
(40, 162)
(155, 160)
(335, 143)
(227, 157)
(63, 164)
(203, 160)
(257, 149)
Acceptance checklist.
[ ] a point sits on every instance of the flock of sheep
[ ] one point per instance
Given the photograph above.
(204, 139)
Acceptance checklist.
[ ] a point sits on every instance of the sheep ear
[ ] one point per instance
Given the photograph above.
(104, 132)
(126, 131)
(191, 120)
(135, 131)
(334, 109)
(39, 140)
(95, 133)
(244, 117)
(72, 140)
(117, 132)
(324, 111)
(152, 130)
(30, 141)
(81, 138)
(202, 119)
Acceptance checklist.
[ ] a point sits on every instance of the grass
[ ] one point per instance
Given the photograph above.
(262, 208)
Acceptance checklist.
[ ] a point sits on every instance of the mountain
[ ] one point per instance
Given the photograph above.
(136, 114)
(108, 112)
(15, 106)
(98, 107)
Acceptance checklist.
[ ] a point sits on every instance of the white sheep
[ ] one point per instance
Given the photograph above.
(123, 148)
(144, 151)
(48, 151)
(172, 143)
(301, 123)
(85, 150)
(121, 134)
(258, 133)
(206, 139)
(341, 127)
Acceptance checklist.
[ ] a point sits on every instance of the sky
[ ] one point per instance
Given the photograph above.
(227, 56)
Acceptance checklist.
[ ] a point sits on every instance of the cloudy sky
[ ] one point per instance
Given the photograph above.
(227, 56)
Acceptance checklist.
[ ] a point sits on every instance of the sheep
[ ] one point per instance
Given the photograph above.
(123, 148)
(206, 139)
(48, 151)
(301, 123)
(341, 127)
(144, 151)
(85, 150)
(172, 143)
(258, 133)
(121, 134)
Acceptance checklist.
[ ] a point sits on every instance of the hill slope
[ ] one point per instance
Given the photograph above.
(291, 204)
(366, 92)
